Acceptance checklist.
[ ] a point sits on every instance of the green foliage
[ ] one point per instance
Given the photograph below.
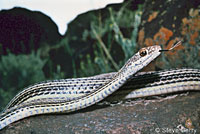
(104, 61)
(87, 69)
(128, 45)
(58, 74)
(16, 72)
(5, 97)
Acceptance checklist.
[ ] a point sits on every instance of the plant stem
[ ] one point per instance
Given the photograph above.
(105, 49)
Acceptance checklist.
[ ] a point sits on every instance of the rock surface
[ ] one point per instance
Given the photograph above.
(165, 23)
(24, 31)
(172, 114)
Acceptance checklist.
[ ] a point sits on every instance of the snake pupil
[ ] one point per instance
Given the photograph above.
(143, 52)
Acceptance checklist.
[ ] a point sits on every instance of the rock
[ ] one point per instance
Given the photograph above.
(165, 23)
(175, 113)
(24, 31)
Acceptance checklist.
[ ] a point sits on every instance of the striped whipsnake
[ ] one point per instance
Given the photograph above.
(37, 98)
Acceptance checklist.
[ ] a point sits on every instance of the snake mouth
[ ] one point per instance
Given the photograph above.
(174, 46)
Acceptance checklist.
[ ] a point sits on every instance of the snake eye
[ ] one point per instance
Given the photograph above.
(143, 52)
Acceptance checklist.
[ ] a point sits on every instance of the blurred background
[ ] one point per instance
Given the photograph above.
(36, 46)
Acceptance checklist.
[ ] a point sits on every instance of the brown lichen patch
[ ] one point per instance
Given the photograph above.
(188, 124)
(162, 36)
(149, 42)
(191, 26)
(152, 16)
(185, 22)
(141, 37)
(193, 37)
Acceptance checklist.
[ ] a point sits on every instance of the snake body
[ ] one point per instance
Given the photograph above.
(132, 66)
(140, 85)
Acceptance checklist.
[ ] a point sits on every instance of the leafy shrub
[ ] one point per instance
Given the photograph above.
(110, 27)
(17, 72)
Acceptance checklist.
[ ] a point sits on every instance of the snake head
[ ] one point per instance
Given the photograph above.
(144, 56)
(141, 59)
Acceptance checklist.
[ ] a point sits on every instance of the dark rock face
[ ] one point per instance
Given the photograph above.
(175, 113)
(165, 23)
(23, 30)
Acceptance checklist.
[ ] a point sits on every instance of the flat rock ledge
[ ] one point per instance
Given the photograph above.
(170, 114)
